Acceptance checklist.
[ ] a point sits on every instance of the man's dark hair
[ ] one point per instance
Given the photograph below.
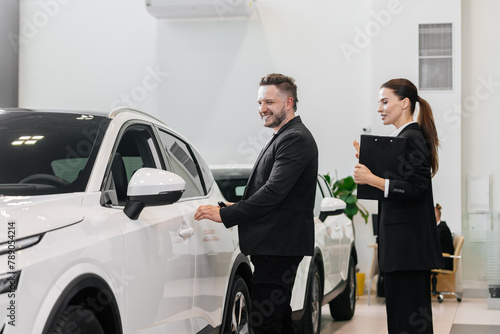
(286, 85)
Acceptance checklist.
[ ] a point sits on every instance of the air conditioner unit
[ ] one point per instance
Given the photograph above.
(185, 9)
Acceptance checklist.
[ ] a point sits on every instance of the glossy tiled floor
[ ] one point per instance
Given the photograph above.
(450, 317)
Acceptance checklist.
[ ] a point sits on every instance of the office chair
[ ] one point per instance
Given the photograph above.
(450, 274)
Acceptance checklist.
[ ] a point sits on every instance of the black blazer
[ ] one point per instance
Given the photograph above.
(275, 215)
(408, 238)
(446, 241)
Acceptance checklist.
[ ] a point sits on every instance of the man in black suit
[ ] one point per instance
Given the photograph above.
(275, 216)
(445, 238)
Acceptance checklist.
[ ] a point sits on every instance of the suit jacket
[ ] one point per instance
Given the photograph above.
(275, 215)
(446, 241)
(408, 238)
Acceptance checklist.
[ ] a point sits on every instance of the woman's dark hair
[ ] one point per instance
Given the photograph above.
(285, 84)
(404, 88)
(438, 208)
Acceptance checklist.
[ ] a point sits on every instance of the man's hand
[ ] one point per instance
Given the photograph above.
(208, 212)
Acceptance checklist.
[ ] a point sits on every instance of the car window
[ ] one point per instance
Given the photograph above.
(232, 188)
(208, 178)
(183, 163)
(47, 152)
(232, 182)
(68, 169)
(136, 149)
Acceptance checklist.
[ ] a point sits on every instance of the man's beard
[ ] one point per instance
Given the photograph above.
(279, 117)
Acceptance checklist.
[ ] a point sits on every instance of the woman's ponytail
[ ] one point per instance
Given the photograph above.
(426, 122)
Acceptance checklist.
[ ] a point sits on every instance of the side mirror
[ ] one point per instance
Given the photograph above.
(152, 187)
(331, 207)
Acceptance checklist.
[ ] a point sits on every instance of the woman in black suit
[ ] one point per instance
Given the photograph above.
(408, 244)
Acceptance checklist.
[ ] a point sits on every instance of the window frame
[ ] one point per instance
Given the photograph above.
(193, 154)
(146, 126)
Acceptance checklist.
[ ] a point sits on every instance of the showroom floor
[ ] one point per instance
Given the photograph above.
(469, 316)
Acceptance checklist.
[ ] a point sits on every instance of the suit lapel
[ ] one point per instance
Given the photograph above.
(264, 149)
(271, 140)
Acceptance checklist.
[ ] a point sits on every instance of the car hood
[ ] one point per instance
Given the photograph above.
(38, 214)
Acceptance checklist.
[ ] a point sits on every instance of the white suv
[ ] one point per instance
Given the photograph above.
(328, 276)
(97, 231)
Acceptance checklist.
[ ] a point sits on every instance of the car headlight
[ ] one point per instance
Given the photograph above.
(8, 282)
(15, 245)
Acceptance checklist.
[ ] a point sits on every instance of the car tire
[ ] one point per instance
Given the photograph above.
(311, 320)
(237, 319)
(342, 307)
(76, 319)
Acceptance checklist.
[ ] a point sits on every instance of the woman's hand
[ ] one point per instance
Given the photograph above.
(362, 175)
(356, 146)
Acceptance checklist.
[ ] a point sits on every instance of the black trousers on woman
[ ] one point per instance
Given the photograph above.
(408, 302)
(272, 283)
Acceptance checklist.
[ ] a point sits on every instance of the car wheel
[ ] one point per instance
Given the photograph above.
(342, 307)
(311, 320)
(239, 308)
(76, 319)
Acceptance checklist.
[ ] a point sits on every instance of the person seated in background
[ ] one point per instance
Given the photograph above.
(445, 238)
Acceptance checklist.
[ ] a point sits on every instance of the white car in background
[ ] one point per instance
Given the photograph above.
(97, 229)
(328, 276)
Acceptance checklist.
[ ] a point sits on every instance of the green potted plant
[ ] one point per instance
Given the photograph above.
(344, 189)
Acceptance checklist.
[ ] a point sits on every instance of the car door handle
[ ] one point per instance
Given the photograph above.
(186, 232)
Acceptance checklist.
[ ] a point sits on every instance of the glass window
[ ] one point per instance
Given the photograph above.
(183, 164)
(206, 173)
(47, 152)
(136, 149)
(68, 169)
(435, 56)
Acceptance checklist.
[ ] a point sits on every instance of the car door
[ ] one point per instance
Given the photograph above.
(160, 264)
(329, 233)
(346, 243)
(214, 245)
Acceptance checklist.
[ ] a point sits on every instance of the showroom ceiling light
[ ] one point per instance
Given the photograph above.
(27, 140)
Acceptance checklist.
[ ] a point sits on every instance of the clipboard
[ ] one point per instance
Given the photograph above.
(385, 157)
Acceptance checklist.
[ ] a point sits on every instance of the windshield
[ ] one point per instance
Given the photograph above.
(47, 152)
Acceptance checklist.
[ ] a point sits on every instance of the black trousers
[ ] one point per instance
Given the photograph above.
(408, 302)
(272, 284)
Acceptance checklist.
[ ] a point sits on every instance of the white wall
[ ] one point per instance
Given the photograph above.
(395, 55)
(481, 93)
(9, 26)
(215, 67)
(480, 117)
(88, 55)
